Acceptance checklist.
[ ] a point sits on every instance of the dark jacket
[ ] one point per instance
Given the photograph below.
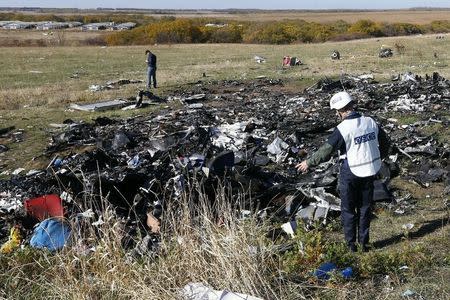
(151, 60)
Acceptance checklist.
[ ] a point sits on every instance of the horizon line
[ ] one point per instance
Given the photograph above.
(228, 9)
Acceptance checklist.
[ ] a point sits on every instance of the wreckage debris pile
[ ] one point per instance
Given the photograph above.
(249, 136)
(385, 52)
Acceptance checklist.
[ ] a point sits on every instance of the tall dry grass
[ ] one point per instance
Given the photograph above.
(200, 242)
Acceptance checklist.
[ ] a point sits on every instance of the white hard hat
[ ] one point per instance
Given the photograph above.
(340, 100)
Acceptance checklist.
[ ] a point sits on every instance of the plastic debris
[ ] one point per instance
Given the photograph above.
(51, 234)
(15, 238)
(44, 207)
(324, 270)
(347, 273)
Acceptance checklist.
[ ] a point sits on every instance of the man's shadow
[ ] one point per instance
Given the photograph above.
(152, 97)
(426, 228)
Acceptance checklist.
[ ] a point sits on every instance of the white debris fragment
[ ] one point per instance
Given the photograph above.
(18, 171)
(230, 136)
(65, 196)
(95, 88)
(259, 59)
(9, 203)
(87, 214)
(277, 146)
(99, 222)
(405, 103)
(408, 226)
(290, 228)
(199, 291)
(195, 106)
(408, 293)
(33, 172)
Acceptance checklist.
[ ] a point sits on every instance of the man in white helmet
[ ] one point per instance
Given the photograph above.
(365, 144)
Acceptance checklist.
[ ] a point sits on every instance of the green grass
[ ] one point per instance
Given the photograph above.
(180, 64)
(440, 131)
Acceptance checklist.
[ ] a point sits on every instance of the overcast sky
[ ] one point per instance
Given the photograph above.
(205, 4)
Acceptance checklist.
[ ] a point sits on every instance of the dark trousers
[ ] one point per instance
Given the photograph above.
(356, 206)
(151, 75)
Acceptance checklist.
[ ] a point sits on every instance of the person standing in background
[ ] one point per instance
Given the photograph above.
(151, 69)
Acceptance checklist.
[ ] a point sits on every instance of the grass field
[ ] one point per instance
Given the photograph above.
(36, 84)
(419, 16)
(36, 87)
(42, 76)
(408, 16)
(11, 38)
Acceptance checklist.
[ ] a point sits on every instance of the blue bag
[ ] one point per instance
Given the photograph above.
(51, 234)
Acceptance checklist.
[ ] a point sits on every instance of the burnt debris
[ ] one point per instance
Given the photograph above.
(245, 136)
(385, 52)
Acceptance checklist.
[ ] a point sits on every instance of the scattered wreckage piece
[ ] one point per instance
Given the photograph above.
(123, 82)
(193, 98)
(289, 61)
(199, 291)
(3, 148)
(385, 52)
(100, 106)
(335, 55)
(6, 130)
(113, 84)
(259, 59)
(9, 203)
(44, 207)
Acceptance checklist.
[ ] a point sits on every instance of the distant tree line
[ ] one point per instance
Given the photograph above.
(170, 30)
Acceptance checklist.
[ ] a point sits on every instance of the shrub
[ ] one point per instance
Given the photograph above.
(389, 262)
(440, 26)
(228, 34)
(400, 48)
(366, 27)
(306, 254)
(171, 30)
(348, 37)
(178, 31)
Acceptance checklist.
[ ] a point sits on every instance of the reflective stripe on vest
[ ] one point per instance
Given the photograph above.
(361, 142)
